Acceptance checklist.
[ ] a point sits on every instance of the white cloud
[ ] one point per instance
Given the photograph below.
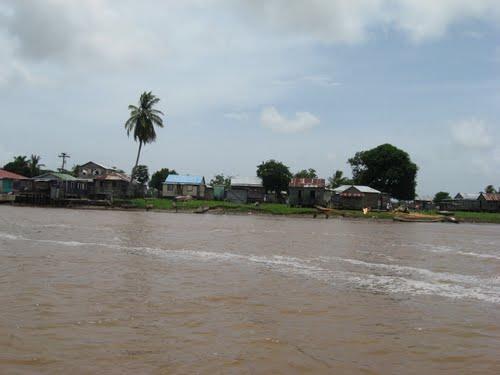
(270, 118)
(471, 134)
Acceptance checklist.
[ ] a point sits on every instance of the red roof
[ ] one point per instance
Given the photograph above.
(491, 196)
(10, 175)
(308, 182)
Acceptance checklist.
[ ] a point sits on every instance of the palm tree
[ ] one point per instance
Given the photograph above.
(142, 120)
(34, 165)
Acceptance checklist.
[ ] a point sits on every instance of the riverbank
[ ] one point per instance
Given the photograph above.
(284, 210)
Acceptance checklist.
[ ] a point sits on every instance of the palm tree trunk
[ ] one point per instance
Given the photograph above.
(138, 154)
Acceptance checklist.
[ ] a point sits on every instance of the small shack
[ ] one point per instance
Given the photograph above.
(306, 192)
(177, 184)
(111, 185)
(246, 190)
(10, 182)
(56, 186)
(489, 202)
(357, 197)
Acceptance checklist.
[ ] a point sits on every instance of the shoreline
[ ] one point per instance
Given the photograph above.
(239, 211)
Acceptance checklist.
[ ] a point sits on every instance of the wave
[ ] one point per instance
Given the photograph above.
(435, 283)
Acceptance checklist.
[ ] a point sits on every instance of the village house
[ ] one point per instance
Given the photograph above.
(10, 182)
(107, 183)
(246, 190)
(489, 202)
(462, 202)
(55, 186)
(357, 197)
(423, 204)
(306, 192)
(177, 185)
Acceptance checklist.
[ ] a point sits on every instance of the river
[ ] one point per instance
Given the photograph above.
(109, 292)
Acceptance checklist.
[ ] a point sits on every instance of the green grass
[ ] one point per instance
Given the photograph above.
(282, 209)
(268, 208)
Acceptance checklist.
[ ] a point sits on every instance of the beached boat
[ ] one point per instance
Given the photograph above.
(202, 210)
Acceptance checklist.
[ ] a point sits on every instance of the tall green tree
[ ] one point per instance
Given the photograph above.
(306, 173)
(159, 177)
(140, 174)
(19, 165)
(142, 121)
(441, 196)
(35, 165)
(489, 189)
(275, 175)
(338, 179)
(220, 179)
(386, 168)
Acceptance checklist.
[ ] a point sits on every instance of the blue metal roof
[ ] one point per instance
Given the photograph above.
(184, 179)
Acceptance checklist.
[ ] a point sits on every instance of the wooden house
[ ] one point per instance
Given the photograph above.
(357, 197)
(246, 190)
(178, 185)
(306, 192)
(55, 186)
(10, 182)
(91, 170)
(489, 202)
(112, 185)
(107, 183)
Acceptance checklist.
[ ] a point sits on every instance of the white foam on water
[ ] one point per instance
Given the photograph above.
(436, 249)
(399, 270)
(475, 288)
(8, 236)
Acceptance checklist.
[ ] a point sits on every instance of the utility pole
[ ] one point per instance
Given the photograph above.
(64, 156)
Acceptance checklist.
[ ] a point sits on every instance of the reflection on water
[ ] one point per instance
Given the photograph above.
(132, 292)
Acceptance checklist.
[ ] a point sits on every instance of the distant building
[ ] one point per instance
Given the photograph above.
(92, 169)
(107, 182)
(112, 185)
(357, 197)
(306, 192)
(246, 190)
(55, 185)
(10, 182)
(489, 202)
(423, 203)
(176, 185)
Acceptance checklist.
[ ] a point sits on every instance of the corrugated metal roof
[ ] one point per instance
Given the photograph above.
(360, 188)
(98, 164)
(467, 196)
(246, 181)
(55, 176)
(491, 196)
(10, 175)
(184, 179)
(113, 176)
(307, 182)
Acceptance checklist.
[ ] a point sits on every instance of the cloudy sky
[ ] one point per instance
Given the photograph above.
(305, 82)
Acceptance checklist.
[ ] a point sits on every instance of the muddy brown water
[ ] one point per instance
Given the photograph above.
(88, 292)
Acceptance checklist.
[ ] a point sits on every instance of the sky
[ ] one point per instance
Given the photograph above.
(308, 83)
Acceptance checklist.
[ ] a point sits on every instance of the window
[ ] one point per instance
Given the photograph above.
(189, 188)
(170, 187)
(95, 172)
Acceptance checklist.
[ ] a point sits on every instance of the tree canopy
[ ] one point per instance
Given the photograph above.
(338, 179)
(220, 179)
(159, 177)
(275, 175)
(489, 189)
(441, 196)
(142, 121)
(306, 173)
(386, 168)
(140, 174)
(19, 165)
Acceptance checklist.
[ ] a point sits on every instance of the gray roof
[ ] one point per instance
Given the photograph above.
(360, 188)
(467, 196)
(246, 181)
